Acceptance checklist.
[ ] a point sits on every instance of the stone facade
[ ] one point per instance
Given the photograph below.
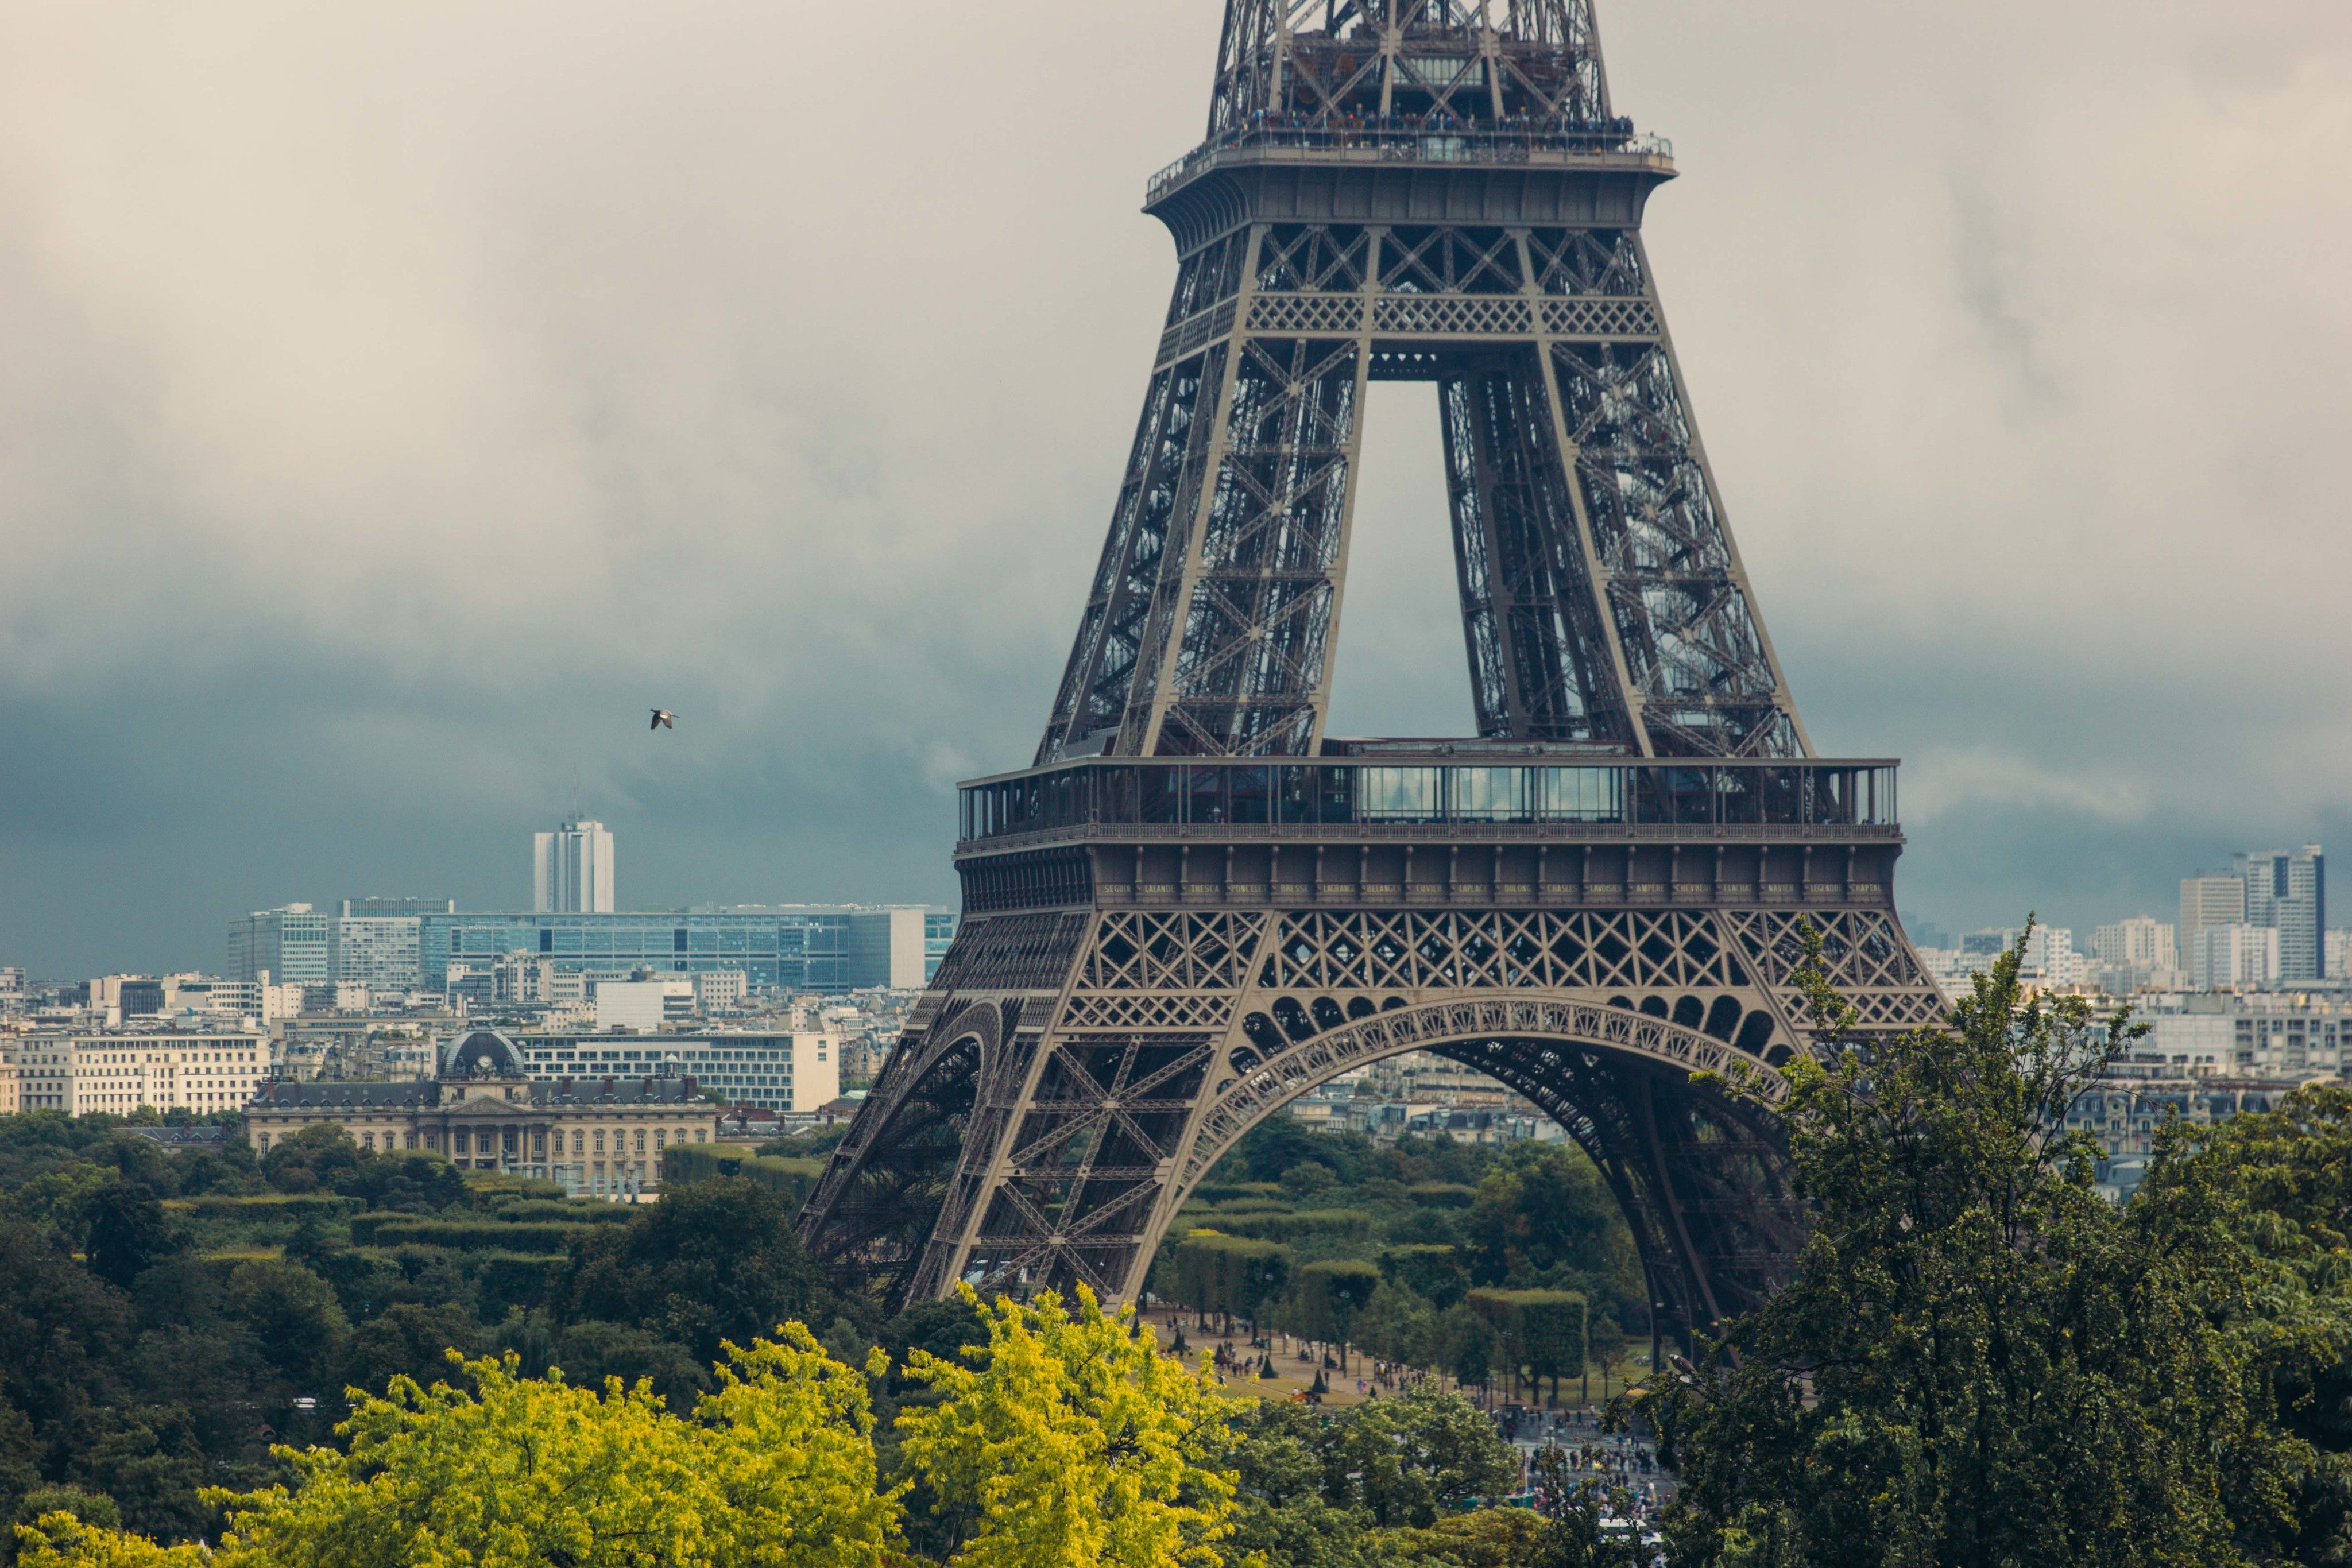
(599, 1137)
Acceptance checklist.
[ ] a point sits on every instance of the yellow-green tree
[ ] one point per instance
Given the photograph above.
(790, 1434)
(775, 1470)
(516, 1471)
(1071, 1443)
(62, 1540)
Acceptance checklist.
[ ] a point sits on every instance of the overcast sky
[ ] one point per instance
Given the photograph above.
(397, 402)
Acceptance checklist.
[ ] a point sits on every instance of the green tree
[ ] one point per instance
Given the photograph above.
(1393, 1324)
(88, 1507)
(1070, 1443)
(1573, 1508)
(1541, 1333)
(1331, 1292)
(2279, 1184)
(294, 1315)
(1459, 1342)
(593, 1351)
(406, 1340)
(1267, 1151)
(1281, 1516)
(711, 1263)
(1552, 1337)
(1309, 1177)
(125, 1231)
(1544, 1207)
(1433, 1272)
(62, 1334)
(512, 1471)
(1403, 1460)
(1233, 1275)
(1979, 1360)
(416, 1181)
(1606, 1346)
(310, 1160)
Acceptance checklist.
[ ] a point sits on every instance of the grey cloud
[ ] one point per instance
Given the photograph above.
(398, 402)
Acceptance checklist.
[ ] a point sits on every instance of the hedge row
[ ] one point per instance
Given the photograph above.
(466, 1235)
(1441, 1193)
(1227, 1191)
(1231, 1274)
(580, 1212)
(1333, 1224)
(792, 1179)
(496, 1184)
(1439, 1272)
(1544, 1333)
(298, 1205)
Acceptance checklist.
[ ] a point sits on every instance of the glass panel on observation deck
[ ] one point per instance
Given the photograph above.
(1488, 794)
(1401, 794)
(1578, 794)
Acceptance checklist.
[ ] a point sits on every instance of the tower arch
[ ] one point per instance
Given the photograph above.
(1196, 903)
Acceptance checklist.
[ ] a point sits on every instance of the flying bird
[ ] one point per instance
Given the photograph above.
(663, 719)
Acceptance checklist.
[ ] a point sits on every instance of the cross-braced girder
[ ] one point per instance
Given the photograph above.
(1604, 599)
(1157, 956)
(1090, 1105)
(1322, 62)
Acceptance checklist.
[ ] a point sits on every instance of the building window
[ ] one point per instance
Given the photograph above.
(578, 1143)
(600, 1140)
(661, 1139)
(464, 1142)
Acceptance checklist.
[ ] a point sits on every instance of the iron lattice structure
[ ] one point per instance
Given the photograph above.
(1195, 906)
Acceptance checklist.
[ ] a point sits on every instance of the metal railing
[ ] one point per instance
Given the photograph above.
(1416, 140)
(1331, 792)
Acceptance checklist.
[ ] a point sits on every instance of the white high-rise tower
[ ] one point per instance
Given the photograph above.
(571, 870)
(2286, 892)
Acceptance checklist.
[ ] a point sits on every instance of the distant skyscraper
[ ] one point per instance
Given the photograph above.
(2208, 901)
(377, 951)
(289, 944)
(2240, 954)
(2286, 892)
(2050, 958)
(571, 870)
(2138, 943)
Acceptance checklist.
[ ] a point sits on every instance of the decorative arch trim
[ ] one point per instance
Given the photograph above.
(1249, 1099)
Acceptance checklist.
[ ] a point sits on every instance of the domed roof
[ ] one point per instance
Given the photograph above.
(483, 1053)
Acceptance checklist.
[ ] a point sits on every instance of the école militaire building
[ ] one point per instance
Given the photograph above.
(600, 1136)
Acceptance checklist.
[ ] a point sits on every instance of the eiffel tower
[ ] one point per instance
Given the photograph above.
(1195, 906)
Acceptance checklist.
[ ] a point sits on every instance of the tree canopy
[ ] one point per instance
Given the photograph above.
(1069, 1442)
(1981, 1359)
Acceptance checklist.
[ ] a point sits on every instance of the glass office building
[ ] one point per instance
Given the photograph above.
(938, 935)
(792, 950)
(289, 944)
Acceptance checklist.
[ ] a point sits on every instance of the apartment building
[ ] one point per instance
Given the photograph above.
(119, 1072)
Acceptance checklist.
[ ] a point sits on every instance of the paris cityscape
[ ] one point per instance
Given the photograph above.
(596, 970)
